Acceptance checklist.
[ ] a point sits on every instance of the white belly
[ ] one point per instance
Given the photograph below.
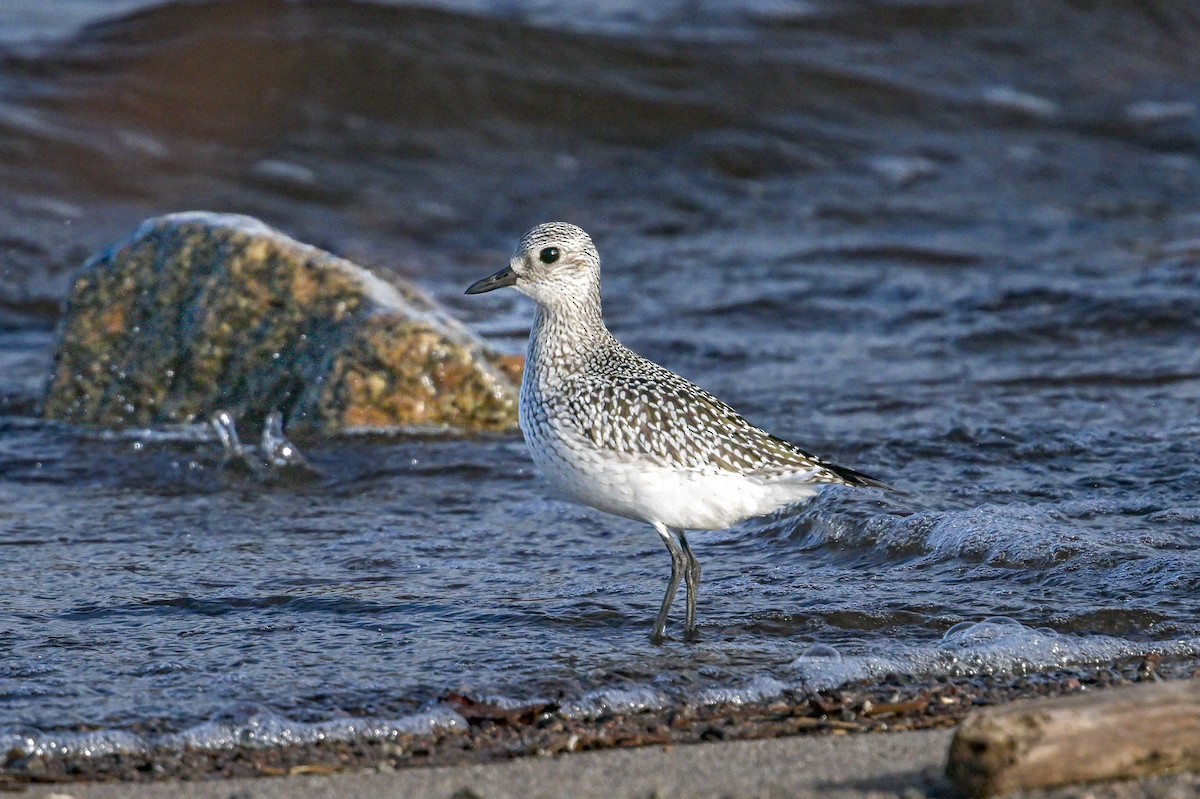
(687, 499)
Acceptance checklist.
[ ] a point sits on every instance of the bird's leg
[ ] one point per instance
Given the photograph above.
(691, 576)
(671, 538)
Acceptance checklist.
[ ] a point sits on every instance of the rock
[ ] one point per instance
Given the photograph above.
(1123, 733)
(199, 312)
(34, 765)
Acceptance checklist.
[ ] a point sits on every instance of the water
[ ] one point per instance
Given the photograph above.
(914, 237)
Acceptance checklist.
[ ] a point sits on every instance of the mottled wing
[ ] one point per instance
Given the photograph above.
(653, 413)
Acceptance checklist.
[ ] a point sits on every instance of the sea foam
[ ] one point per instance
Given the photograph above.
(998, 645)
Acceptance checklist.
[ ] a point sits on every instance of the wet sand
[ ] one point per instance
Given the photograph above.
(901, 765)
(906, 765)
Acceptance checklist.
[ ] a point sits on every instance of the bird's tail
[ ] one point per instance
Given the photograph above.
(853, 477)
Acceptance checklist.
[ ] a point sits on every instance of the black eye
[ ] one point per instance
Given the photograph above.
(548, 255)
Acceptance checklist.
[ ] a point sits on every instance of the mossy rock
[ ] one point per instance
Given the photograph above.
(197, 312)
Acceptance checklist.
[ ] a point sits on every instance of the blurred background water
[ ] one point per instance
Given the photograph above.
(951, 243)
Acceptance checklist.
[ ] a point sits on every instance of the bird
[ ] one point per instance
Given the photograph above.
(620, 433)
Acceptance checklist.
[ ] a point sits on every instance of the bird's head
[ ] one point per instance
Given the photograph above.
(555, 264)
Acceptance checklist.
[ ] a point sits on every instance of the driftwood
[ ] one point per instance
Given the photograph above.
(1121, 733)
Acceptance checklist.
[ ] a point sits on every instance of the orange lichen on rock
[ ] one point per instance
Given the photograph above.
(408, 369)
(513, 366)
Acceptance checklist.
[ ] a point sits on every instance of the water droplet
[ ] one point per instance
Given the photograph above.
(278, 450)
(226, 429)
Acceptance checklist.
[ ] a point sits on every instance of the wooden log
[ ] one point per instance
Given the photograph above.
(1122, 733)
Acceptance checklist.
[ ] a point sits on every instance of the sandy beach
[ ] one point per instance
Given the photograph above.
(906, 765)
(899, 765)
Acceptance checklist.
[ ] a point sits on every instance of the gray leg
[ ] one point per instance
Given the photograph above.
(679, 564)
(691, 576)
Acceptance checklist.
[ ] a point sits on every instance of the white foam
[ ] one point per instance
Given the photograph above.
(759, 689)
(252, 726)
(80, 744)
(262, 728)
(994, 646)
(615, 700)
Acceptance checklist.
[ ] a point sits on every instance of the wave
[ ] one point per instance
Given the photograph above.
(1045, 543)
(414, 121)
(258, 68)
(992, 646)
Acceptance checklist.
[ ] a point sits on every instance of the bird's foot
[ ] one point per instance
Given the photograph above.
(690, 635)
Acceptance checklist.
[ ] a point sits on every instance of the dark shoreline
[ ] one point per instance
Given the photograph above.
(893, 704)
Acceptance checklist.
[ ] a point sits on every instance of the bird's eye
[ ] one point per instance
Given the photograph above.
(548, 255)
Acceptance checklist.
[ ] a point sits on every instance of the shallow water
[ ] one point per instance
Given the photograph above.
(911, 237)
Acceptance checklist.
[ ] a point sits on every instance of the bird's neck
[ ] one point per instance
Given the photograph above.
(567, 334)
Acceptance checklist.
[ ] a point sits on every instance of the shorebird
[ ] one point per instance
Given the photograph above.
(626, 436)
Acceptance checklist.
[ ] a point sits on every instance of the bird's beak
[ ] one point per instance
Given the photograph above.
(505, 277)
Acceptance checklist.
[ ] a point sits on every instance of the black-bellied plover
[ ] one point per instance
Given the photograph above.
(624, 435)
